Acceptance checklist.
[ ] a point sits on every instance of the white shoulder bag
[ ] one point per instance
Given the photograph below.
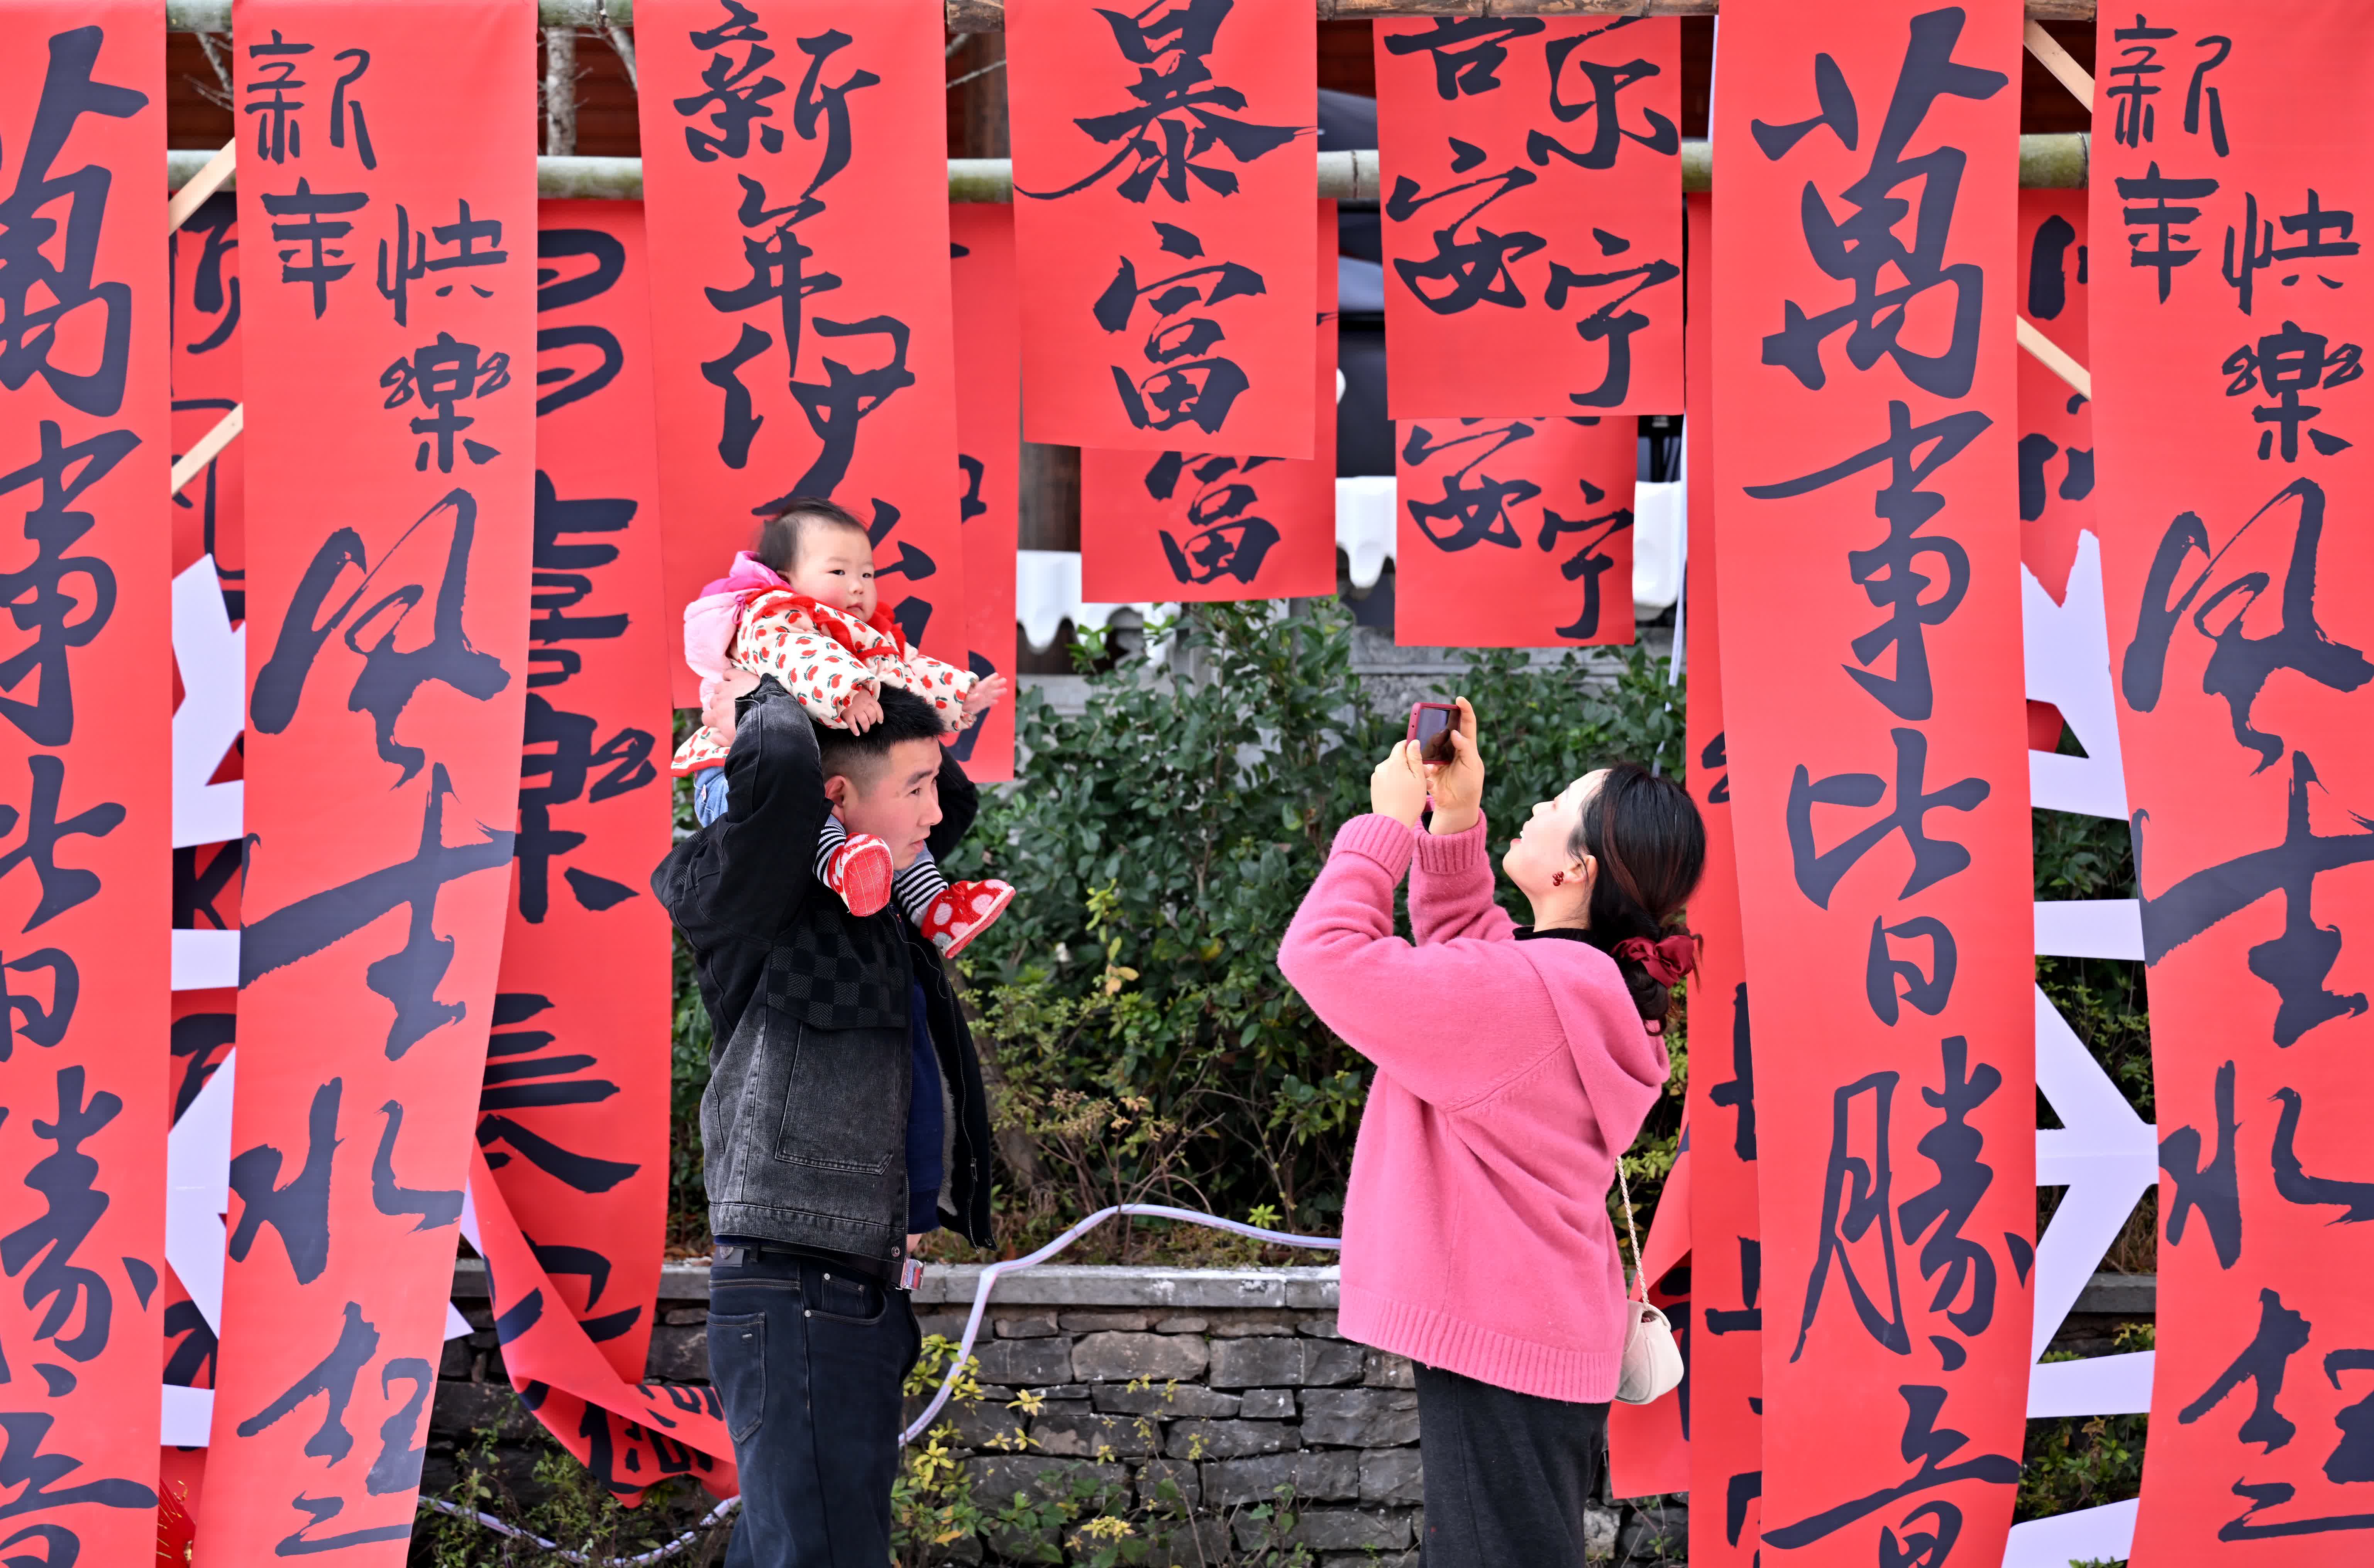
(1652, 1362)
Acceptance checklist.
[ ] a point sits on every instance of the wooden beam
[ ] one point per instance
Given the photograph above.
(194, 462)
(2053, 357)
(2060, 63)
(2046, 162)
(211, 177)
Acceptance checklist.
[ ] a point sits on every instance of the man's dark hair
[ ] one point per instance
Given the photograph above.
(859, 758)
(783, 535)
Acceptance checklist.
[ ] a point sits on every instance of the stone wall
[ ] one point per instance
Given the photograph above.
(1226, 1384)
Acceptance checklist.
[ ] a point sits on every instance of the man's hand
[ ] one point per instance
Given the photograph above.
(985, 694)
(862, 712)
(1397, 789)
(1458, 784)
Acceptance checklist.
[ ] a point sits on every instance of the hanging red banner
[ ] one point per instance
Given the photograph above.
(1648, 1446)
(2056, 426)
(1513, 533)
(1162, 162)
(573, 1117)
(1532, 226)
(388, 340)
(203, 254)
(988, 457)
(795, 174)
(1182, 525)
(631, 1435)
(85, 439)
(1872, 703)
(2234, 302)
(1726, 1262)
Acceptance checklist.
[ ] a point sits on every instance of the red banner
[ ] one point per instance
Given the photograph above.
(1514, 533)
(386, 151)
(573, 1117)
(2228, 335)
(1872, 676)
(1648, 1446)
(203, 254)
(1726, 1264)
(1532, 226)
(85, 436)
(2056, 427)
(631, 1435)
(1162, 162)
(989, 456)
(1180, 525)
(795, 172)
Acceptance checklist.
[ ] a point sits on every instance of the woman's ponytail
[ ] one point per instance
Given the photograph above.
(1650, 845)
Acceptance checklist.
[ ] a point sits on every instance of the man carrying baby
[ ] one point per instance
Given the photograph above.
(844, 1113)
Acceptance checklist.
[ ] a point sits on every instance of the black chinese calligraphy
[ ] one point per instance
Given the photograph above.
(63, 1292)
(1471, 264)
(316, 221)
(1611, 322)
(1748, 1316)
(298, 1210)
(555, 292)
(408, 977)
(2207, 1186)
(1930, 1446)
(1926, 989)
(23, 1435)
(23, 1015)
(442, 375)
(1864, 247)
(1602, 84)
(1964, 1269)
(1857, 1202)
(1189, 384)
(50, 301)
(2294, 1185)
(390, 676)
(1738, 1094)
(2281, 1334)
(1225, 536)
(2283, 365)
(2239, 664)
(1820, 871)
(736, 94)
(466, 243)
(62, 887)
(559, 776)
(2296, 960)
(517, 1078)
(432, 1208)
(38, 597)
(1180, 114)
(2252, 249)
(1473, 507)
(1468, 52)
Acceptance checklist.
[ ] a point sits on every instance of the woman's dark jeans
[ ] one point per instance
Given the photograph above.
(808, 1362)
(1507, 1475)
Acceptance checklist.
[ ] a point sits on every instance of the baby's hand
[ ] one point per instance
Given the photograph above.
(718, 712)
(983, 696)
(863, 712)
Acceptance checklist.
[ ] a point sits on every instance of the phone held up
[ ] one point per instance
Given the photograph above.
(1430, 726)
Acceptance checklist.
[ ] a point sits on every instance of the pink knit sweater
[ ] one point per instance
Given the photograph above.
(1508, 1075)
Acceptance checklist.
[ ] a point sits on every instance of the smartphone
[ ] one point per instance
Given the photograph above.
(1430, 726)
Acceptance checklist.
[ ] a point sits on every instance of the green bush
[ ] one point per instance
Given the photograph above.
(1144, 1045)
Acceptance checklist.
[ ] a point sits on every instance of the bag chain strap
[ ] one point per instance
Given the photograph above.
(1639, 1277)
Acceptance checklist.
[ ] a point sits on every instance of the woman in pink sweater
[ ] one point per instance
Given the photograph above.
(1512, 1073)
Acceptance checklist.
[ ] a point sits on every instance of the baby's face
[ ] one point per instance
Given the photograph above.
(836, 568)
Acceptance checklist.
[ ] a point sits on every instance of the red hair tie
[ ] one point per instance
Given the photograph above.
(1667, 960)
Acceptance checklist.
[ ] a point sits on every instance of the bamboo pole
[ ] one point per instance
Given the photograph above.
(191, 192)
(989, 16)
(2060, 63)
(2046, 162)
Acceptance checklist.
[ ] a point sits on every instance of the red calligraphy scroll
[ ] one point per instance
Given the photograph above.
(2056, 426)
(85, 438)
(389, 338)
(203, 254)
(1872, 681)
(795, 172)
(573, 1117)
(1648, 1446)
(1533, 218)
(1162, 164)
(1514, 533)
(1726, 1264)
(632, 1435)
(988, 439)
(1189, 525)
(2237, 455)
